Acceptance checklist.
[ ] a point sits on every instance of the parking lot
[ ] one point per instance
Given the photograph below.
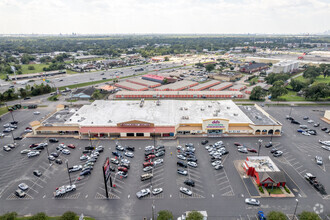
(220, 192)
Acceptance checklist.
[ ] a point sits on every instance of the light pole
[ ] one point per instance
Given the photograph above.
(271, 137)
(11, 112)
(50, 163)
(153, 210)
(290, 110)
(67, 167)
(295, 210)
(260, 142)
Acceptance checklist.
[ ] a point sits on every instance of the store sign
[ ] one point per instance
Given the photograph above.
(135, 124)
(215, 124)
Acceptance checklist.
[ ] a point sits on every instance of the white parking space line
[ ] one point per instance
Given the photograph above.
(224, 187)
(227, 181)
(299, 167)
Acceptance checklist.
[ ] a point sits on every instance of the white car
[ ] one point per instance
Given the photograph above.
(25, 151)
(70, 188)
(218, 167)
(179, 147)
(122, 174)
(6, 125)
(125, 161)
(192, 164)
(148, 148)
(2, 135)
(6, 148)
(181, 157)
(327, 143)
(142, 193)
(120, 148)
(305, 133)
(242, 150)
(158, 162)
(157, 191)
(251, 201)
(217, 162)
(84, 157)
(50, 157)
(75, 168)
(148, 168)
(66, 151)
(310, 121)
(129, 154)
(28, 130)
(325, 147)
(186, 191)
(319, 160)
(33, 154)
(23, 186)
(36, 113)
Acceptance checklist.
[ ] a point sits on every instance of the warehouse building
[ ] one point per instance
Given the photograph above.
(221, 86)
(179, 94)
(237, 87)
(177, 86)
(205, 85)
(146, 83)
(131, 86)
(165, 118)
(254, 67)
(159, 79)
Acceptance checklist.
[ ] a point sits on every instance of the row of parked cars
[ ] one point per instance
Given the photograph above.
(186, 157)
(216, 151)
(303, 129)
(152, 157)
(89, 157)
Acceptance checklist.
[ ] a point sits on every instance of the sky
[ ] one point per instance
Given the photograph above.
(164, 16)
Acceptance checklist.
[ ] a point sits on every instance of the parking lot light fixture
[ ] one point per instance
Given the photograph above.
(50, 163)
(260, 142)
(67, 167)
(295, 210)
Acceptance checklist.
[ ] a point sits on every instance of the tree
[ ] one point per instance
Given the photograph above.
(194, 215)
(209, 67)
(257, 93)
(278, 89)
(320, 90)
(273, 215)
(39, 216)
(231, 68)
(311, 72)
(273, 77)
(68, 216)
(167, 59)
(297, 85)
(308, 216)
(96, 95)
(31, 68)
(165, 215)
(9, 216)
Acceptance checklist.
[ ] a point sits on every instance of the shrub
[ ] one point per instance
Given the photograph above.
(68, 216)
(39, 216)
(308, 216)
(273, 215)
(165, 215)
(261, 189)
(9, 216)
(286, 189)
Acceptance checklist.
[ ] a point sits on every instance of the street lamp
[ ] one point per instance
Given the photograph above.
(290, 110)
(294, 214)
(260, 142)
(67, 167)
(153, 210)
(50, 163)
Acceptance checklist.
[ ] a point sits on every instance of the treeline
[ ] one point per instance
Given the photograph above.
(34, 90)
(42, 216)
(117, 44)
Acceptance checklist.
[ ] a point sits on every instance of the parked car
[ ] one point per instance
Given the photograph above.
(66, 151)
(146, 164)
(182, 172)
(204, 142)
(130, 148)
(305, 133)
(33, 154)
(75, 168)
(58, 161)
(6, 148)
(53, 140)
(25, 151)
(270, 144)
(189, 182)
(157, 191)
(192, 164)
(252, 150)
(142, 193)
(243, 150)
(186, 191)
(84, 173)
(20, 193)
(149, 157)
(148, 168)
(277, 153)
(71, 146)
(319, 160)
(23, 186)
(218, 167)
(122, 174)
(181, 164)
(120, 148)
(37, 173)
(129, 154)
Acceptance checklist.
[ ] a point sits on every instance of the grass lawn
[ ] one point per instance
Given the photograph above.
(292, 96)
(319, 79)
(70, 72)
(3, 110)
(37, 68)
(275, 190)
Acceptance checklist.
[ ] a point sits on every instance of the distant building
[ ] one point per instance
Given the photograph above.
(159, 79)
(264, 171)
(285, 67)
(254, 67)
(326, 116)
(83, 93)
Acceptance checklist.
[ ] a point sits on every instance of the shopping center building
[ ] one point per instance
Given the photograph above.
(164, 118)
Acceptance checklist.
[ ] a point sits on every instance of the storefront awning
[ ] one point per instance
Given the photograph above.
(86, 130)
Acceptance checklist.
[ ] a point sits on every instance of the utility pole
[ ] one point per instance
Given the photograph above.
(295, 210)
(11, 112)
(260, 141)
(153, 210)
(67, 167)
(50, 163)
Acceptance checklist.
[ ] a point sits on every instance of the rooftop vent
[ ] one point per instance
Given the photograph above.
(235, 114)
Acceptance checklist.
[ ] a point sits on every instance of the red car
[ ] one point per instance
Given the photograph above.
(252, 150)
(34, 145)
(149, 157)
(237, 144)
(124, 169)
(71, 146)
(146, 164)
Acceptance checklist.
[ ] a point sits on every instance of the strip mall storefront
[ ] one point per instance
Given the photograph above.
(127, 129)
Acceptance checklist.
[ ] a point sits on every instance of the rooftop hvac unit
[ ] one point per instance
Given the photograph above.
(181, 108)
(202, 109)
(185, 108)
(228, 107)
(235, 114)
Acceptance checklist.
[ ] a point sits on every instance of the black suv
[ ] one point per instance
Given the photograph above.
(161, 147)
(53, 140)
(189, 182)
(204, 142)
(89, 148)
(130, 148)
(181, 164)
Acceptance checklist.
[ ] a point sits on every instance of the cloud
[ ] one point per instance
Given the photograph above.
(164, 16)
